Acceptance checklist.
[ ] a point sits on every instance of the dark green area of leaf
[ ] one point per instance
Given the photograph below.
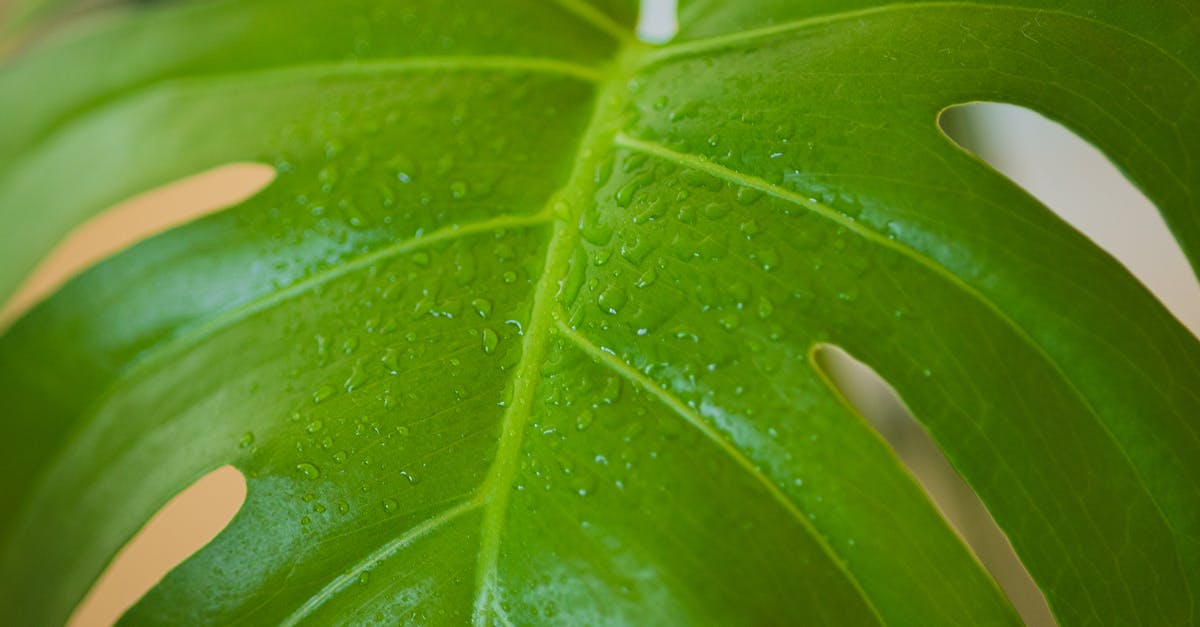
(522, 331)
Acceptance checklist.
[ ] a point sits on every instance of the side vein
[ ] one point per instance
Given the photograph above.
(619, 366)
(376, 557)
(189, 337)
(594, 16)
(732, 39)
(738, 178)
(194, 335)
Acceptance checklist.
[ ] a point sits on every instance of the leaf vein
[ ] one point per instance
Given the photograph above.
(376, 557)
(623, 369)
(745, 180)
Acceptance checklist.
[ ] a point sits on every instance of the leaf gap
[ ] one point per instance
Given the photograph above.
(657, 21)
(182, 527)
(884, 410)
(1083, 187)
(134, 220)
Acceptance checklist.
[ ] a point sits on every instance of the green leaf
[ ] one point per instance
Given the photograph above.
(524, 329)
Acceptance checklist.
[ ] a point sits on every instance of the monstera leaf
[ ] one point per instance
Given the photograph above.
(526, 327)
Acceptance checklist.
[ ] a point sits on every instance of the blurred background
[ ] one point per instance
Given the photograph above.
(1067, 174)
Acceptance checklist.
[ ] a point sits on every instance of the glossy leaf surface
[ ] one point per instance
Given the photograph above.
(524, 328)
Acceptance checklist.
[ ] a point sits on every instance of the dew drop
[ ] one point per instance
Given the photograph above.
(322, 393)
(356, 379)
(483, 307)
(391, 360)
(627, 191)
(715, 210)
(768, 259)
(648, 277)
(490, 341)
(390, 505)
(612, 391)
(247, 440)
(748, 195)
(307, 470)
(612, 299)
(765, 308)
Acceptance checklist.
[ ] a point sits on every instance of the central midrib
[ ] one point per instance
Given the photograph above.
(596, 143)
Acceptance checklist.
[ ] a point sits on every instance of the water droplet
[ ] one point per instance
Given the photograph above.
(627, 191)
(585, 420)
(785, 131)
(648, 277)
(307, 470)
(322, 349)
(604, 170)
(483, 307)
(715, 210)
(765, 308)
(421, 259)
(768, 259)
(391, 360)
(490, 341)
(748, 195)
(322, 393)
(247, 440)
(314, 426)
(343, 507)
(390, 505)
(364, 578)
(612, 299)
(356, 379)
(612, 391)
(458, 189)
